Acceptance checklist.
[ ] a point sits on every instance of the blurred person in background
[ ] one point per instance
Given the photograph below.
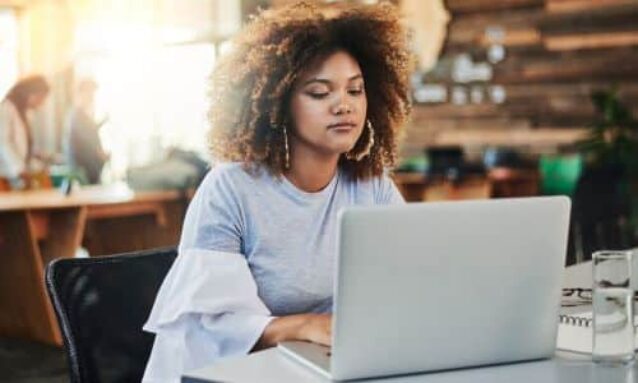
(19, 161)
(82, 146)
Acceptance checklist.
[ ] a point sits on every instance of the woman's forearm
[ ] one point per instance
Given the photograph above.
(306, 327)
(281, 329)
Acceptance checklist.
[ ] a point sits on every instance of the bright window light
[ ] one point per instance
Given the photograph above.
(154, 96)
(8, 50)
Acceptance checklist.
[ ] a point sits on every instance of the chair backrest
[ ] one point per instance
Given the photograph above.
(101, 304)
(560, 174)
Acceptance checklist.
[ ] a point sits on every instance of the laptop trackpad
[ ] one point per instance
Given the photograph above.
(311, 354)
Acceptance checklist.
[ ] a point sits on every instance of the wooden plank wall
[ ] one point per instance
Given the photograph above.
(557, 53)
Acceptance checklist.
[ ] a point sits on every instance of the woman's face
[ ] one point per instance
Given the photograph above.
(36, 99)
(328, 106)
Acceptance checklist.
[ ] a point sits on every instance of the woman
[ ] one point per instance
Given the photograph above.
(306, 108)
(16, 139)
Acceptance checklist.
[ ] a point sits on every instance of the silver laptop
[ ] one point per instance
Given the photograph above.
(434, 286)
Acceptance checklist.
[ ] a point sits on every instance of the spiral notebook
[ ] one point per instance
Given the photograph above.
(575, 333)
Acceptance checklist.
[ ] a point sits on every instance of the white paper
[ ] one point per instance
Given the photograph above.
(578, 338)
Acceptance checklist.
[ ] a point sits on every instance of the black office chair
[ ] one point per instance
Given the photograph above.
(101, 304)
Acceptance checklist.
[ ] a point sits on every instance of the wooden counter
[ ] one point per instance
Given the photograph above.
(41, 225)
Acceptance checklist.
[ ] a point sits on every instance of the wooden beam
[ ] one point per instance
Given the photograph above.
(468, 6)
(577, 66)
(560, 110)
(575, 71)
(524, 24)
(604, 20)
(582, 91)
(571, 6)
(468, 28)
(591, 41)
(534, 110)
(515, 37)
(446, 110)
(506, 137)
(452, 123)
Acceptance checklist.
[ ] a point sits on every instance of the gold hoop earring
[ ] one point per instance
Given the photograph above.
(368, 148)
(286, 149)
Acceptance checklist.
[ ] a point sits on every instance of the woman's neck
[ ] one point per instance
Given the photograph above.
(311, 172)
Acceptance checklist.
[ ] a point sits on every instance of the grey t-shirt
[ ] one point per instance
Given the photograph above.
(287, 235)
(253, 246)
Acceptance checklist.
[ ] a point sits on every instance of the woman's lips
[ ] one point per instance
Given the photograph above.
(342, 126)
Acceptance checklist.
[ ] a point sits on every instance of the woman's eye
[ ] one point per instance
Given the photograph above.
(355, 92)
(318, 95)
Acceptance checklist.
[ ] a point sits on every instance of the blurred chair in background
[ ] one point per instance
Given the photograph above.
(560, 173)
(467, 188)
(450, 177)
(510, 182)
(510, 173)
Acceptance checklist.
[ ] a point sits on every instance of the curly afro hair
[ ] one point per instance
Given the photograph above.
(251, 84)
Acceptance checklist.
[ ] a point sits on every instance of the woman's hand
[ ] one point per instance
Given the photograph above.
(316, 328)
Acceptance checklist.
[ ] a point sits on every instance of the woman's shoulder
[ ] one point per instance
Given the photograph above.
(231, 177)
(380, 189)
(371, 183)
(9, 117)
(7, 108)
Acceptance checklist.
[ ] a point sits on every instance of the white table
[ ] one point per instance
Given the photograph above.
(272, 366)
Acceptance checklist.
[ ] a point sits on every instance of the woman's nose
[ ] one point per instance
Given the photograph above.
(342, 106)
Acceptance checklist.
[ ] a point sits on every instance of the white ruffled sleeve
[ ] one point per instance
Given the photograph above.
(208, 306)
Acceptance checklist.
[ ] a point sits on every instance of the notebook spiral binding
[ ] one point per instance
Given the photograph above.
(584, 322)
(575, 320)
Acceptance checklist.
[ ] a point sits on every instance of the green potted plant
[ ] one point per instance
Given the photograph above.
(611, 155)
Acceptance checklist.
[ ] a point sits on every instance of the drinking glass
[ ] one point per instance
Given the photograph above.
(613, 308)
